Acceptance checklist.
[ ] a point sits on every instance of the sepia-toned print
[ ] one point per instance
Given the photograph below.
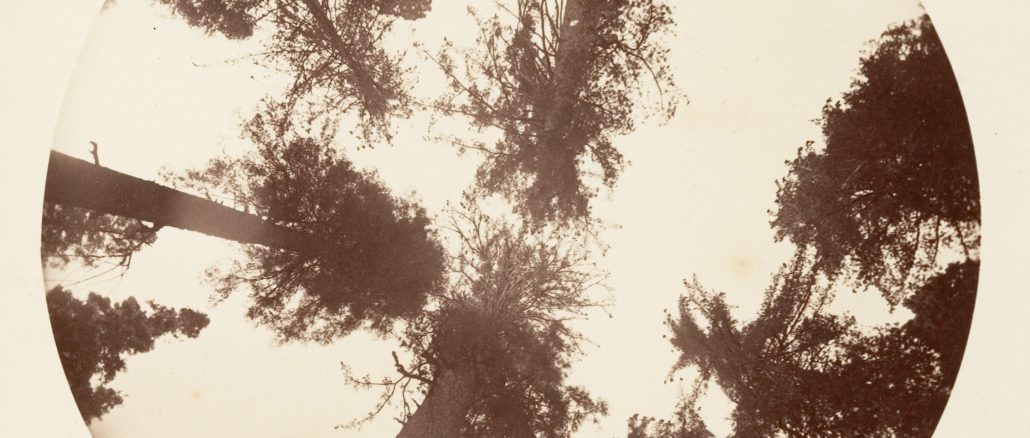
(511, 218)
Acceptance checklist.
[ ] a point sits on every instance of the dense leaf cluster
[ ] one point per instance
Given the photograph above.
(800, 370)
(372, 257)
(94, 336)
(895, 185)
(897, 180)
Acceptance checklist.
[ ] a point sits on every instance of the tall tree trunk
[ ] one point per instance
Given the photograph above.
(75, 182)
(573, 57)
(443, 411)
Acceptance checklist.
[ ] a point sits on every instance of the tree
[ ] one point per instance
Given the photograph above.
(798, 370)
(897, 179)
(895, 185)
(97, 212)
(372, 258)
(93, 337)
(490, 354)
(328, 247)
(558, 81)
(96, 216)
(331, 48)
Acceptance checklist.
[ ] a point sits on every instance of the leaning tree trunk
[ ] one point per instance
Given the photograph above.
(78, 183)
(443, 411)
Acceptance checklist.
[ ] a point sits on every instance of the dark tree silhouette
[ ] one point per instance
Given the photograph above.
(94, 336)
(328, 247)
(374, 258)
(895, 185)
(559, 80)
(801, 371)
(897, 180)
(492, 353)
(943, 309)
(331, 48)
(98, 217)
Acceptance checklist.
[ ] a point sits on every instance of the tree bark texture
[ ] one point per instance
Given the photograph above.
(572, 59)
(443, 411)
(561, 139)
(75, 182)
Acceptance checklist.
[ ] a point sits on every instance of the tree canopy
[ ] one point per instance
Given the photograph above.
(376, 258)
(331, 48)
(559, 80)
(491, 354)
(799, 370)
(237, 18)
(897, 179)
(94, 336)
(486, 331)
(895, 185)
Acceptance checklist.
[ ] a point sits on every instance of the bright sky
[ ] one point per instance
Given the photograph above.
(154, 92)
